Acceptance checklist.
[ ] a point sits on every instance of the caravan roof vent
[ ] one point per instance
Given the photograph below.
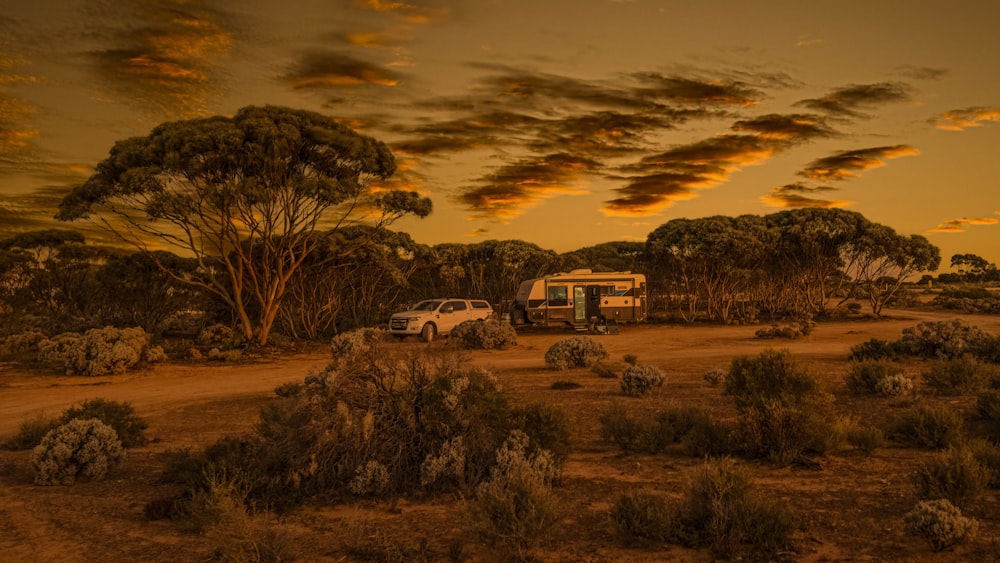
(582, 271)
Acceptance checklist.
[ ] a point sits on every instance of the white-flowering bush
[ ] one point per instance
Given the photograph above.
(489, 334)
(576, 351)
(371, 478)
(99, 351)
(894, 385)
(83, 449)
(220, 336)
(945, 339)
(21, 343)
(940, 523)
(449, 464)
(641, 379)
(357, 341)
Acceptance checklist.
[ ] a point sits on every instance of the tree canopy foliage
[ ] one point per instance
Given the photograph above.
(245, 196)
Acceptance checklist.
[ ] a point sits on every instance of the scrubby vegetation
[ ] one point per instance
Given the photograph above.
(940, 524)
(380, 423)
(489, 334)
(121, 417)
(638, 380)
(576, 351)
(82, 449)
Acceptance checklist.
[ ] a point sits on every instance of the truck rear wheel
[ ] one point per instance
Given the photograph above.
(428, 333)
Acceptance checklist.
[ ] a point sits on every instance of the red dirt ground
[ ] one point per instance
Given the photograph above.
(851, 509)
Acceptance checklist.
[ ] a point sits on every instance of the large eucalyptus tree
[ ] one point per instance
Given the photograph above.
(244, 196)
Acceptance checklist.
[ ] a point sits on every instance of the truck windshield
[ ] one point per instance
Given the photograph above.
(426, 305)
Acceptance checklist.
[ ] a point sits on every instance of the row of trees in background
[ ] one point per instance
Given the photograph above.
(791, 264)
(273, 219)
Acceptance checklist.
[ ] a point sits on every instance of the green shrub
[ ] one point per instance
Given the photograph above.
(546, 426)
(81, 449)
(31, 432)
(643, 515)
(620, 427)
(131, 429)
(865, 375)
(790, 331)
(638, 380)
(874, 350)
(357, 342)
(783, 432)
(771, 375)
(956, 376)
(928, 427)
(516, 507)
(988, 454)
(723, 510)
(489, 334)
(954, 474)
(865, 439)
(940, 523)
(576, 351)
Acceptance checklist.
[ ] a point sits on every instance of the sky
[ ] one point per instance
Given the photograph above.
(564, 123)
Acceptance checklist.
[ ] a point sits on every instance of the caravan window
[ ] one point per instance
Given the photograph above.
(558, 296)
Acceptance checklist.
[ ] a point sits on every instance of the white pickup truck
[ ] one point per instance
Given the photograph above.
(434, 317)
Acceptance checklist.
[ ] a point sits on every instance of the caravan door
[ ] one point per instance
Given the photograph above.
(579, 304)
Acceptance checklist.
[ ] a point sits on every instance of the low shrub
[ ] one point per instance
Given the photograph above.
(643, 516)
(865, 375)
(714, 377)
(81, 449)
(20, 344)
(576, 351)
(957, 375)
(783, 432)
(638, 380)
(945, 339)
(723, 510)
(657, 431)
(516, 508)
(954, 474)
(894, 385)
(771, 375)
(99, 351)
(489, 334)
(940, 524)
(121, 417)
(865, 439)
(789, 331)
(928, 427)
(220, 336)
(564, 385)
(546, 426)
(30, 433)
(874, 350)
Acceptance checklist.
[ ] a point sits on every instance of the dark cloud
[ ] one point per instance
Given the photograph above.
(513, 188)
(165, 60)
(847, 101)
(800, 195)
(791, 127)
(674, 175)
(847, 164)
(959, 225)
(959, 119)
(924, 73)
(692, 91)
(326, 70)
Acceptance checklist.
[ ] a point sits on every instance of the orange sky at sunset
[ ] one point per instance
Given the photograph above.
(565, 123)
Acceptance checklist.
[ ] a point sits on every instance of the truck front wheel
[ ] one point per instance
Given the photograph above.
(428, 332)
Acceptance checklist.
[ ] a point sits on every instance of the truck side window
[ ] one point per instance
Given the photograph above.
(456, 305)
